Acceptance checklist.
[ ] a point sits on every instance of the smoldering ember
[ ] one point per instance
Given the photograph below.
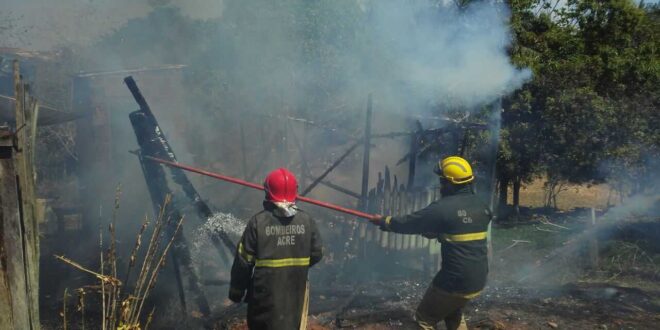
(359, 164)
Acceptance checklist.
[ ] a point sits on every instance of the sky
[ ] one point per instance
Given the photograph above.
(47, 23)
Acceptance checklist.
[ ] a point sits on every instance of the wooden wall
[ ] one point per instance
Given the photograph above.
(19, 234)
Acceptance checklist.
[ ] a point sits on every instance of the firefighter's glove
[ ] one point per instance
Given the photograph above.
(381, 221)
(236, 295)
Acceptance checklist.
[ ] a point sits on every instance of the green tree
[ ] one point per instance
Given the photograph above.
(589, 112)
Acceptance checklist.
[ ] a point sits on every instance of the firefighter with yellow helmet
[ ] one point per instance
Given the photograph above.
(460, 221)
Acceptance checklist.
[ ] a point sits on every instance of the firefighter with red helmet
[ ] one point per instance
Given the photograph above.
(272, 259)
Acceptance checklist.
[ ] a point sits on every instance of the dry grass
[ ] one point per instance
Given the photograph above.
(575, 196)
(124, 310)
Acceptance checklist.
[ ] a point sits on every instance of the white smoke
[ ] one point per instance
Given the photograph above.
(439, 53)
(410, 53)
(636, 206)
(320, 57)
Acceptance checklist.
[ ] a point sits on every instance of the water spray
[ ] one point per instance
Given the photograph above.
(260, 187)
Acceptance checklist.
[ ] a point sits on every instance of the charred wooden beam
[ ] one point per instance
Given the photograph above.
(160, 148)
(307, 173)
(367, 150)
(414, 149)
(332, 167)
(341, 189)
(152, 143)
(464, 142)
(259, 168)
(158, 188)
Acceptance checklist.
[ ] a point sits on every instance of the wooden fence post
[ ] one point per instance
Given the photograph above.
(19, 240)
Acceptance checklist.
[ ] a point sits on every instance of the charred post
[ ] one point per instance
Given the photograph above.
(367, 150)
(414, 149)
(153, 143)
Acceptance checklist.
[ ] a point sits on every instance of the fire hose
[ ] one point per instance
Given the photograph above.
(260, 187)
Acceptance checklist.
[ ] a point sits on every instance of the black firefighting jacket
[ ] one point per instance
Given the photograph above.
(460, 221)
(271, 263)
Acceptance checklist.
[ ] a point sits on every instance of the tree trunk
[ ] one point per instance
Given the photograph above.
(504, 191)
(516, 192)
(516, 196)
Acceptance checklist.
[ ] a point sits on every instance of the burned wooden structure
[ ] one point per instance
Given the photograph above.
(19, 230)
(391, 198)
(153, 143)
(99, 96)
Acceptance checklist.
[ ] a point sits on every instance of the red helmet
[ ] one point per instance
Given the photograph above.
(281, 186)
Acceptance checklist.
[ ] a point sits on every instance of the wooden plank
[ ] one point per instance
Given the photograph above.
(25, 183)
(385, 236)
(400, 209)
(30, 220)
(371, 204)
(386, 196)
(399, 241)
(379, 202)
(394, 204)
(398, 238)
(12, 292)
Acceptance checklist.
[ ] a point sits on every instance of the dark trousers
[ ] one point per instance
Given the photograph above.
(438, 305)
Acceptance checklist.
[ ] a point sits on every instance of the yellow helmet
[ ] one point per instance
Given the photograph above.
(455, 169)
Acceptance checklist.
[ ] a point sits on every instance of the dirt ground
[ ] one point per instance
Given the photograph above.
(572, 306)
(541, 277)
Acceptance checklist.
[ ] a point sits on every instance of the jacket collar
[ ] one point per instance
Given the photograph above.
(457, 190)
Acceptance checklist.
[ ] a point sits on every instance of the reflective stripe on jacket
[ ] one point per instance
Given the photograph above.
(460, 222)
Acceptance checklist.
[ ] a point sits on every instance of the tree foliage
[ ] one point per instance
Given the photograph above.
(591, 111)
